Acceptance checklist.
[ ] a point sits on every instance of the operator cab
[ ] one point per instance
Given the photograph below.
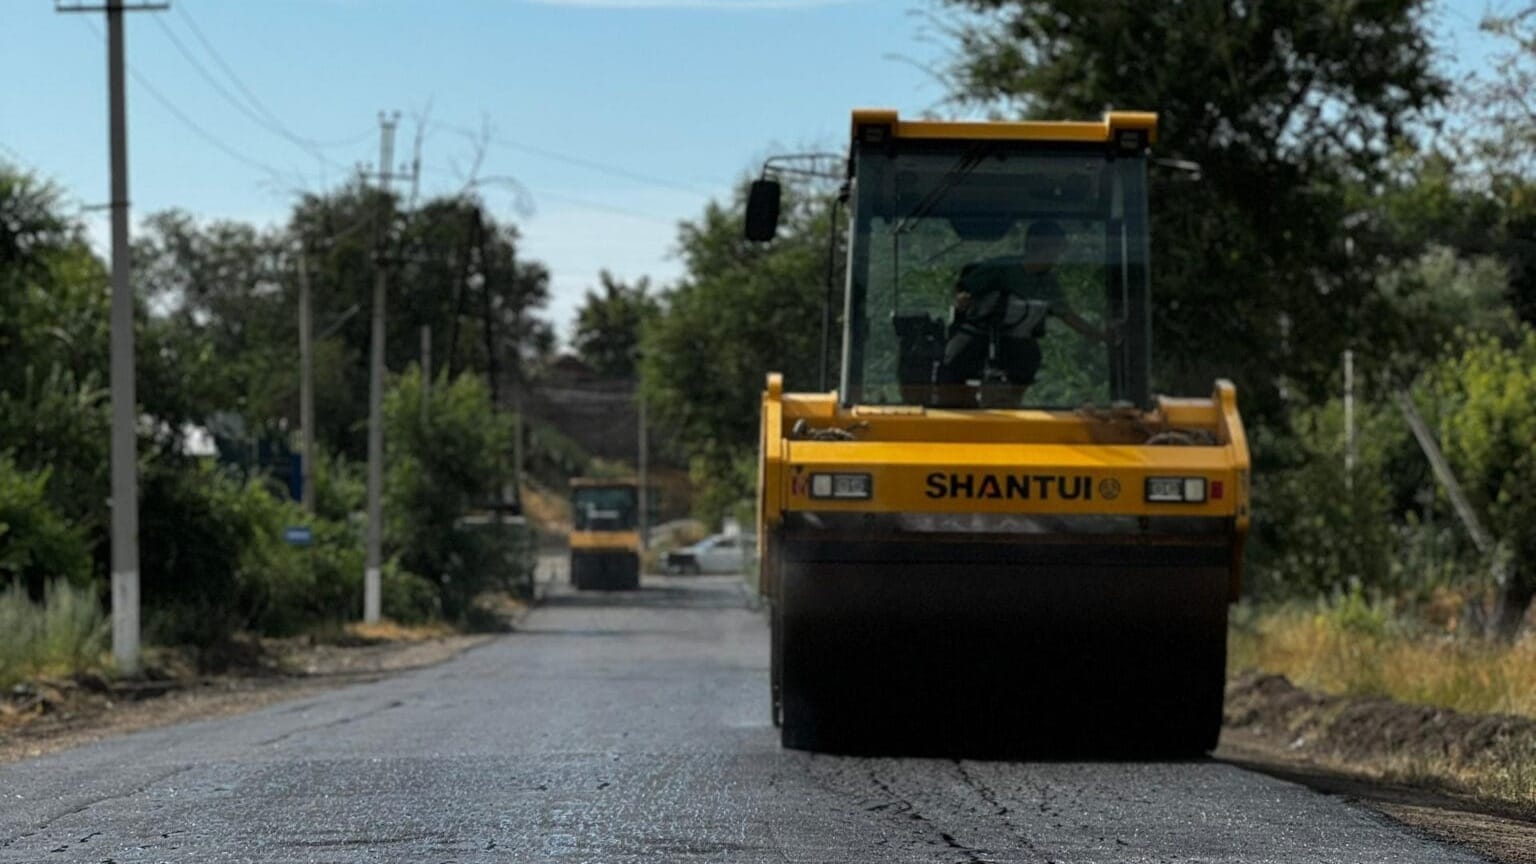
(935, 218)
(948, 303)
(598, 507)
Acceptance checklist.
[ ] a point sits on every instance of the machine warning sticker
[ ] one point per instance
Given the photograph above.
(1017, 487)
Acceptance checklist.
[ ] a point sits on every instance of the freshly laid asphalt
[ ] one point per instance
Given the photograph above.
(631, 727)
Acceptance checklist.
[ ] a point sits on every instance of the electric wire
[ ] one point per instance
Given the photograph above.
(534, 195)
(255, 102)
(277, 175)
(263, 121)
(192, 125)
(589, 164)
(207, 136)
(605, 208)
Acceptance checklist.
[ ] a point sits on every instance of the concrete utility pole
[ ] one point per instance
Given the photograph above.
(1349, 419)
(426, 371)
(306, 386)
(124, 449)
(643, 463)
(515, 493)
(372, 590)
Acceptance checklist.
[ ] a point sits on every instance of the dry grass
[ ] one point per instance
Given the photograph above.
(1356, 648)
(65, 634)
(1352, 647)
(391, 631)
(547, 510)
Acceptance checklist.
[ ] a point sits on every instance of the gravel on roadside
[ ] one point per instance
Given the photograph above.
(44, 716)
(1467, 779)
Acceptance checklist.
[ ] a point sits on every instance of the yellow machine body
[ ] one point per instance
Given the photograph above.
(949, 465)
(605, 538)
(605, 541)
(998, 581)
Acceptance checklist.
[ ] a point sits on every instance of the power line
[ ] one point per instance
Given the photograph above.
(264, 122)
(219, 144)
(197, 129)
(590, 164)
(605, 208)
(255, 102)
(212, 139)
(535, 195)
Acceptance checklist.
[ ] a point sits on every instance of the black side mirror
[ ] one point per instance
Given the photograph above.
(763, 210)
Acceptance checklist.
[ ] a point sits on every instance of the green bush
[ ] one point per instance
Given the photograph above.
(37, 544)
(341, 487)
(725, 484)
(1317, 535)
(406, 597)
(48, 420)
(191, 536)
(1483, 400)
(216, 562)
(1319, 530)
(439, 470)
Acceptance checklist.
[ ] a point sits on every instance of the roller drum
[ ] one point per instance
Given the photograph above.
(1037, 652)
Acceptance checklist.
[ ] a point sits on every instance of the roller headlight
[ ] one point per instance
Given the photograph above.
(1176, 490)
(848, 487)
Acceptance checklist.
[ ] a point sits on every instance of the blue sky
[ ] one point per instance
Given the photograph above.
(620, 117)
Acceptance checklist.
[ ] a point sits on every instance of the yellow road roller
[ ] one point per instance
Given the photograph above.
(992, 538)
(605, 535)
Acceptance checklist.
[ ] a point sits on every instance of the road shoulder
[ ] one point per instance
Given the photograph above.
(1426, 768)
(52, 715)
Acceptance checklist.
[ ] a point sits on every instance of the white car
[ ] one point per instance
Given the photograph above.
(719, 553)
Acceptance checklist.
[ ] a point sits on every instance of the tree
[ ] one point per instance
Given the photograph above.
(1487, 400)
(1284, 105)
(220, 331)
(217, 328)
(1503, 150)
(53, 349)
(37, 544)
(742, 310)
(442, 464)
(461, 274)
(608, 325)
(222, 334)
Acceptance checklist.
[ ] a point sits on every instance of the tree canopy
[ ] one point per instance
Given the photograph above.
(1286, 107)
(741, 311)
(609, 325)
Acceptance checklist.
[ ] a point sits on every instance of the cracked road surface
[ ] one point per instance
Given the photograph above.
(630, 727)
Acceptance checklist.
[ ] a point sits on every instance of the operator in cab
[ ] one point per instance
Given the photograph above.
(1001, 305)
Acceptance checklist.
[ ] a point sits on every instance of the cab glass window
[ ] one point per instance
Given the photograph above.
(987, 274)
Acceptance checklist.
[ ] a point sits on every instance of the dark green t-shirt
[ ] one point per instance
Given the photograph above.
(993, 281)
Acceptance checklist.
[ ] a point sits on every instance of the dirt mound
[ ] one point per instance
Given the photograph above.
(1414, 743)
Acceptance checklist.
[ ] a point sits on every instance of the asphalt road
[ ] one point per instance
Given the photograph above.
(630, 727)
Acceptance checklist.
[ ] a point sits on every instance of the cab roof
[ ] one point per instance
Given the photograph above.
(1103, 130)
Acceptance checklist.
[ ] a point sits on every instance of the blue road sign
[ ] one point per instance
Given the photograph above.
(298, 535)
